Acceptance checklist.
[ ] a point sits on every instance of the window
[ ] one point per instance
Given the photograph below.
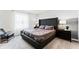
(21, 21)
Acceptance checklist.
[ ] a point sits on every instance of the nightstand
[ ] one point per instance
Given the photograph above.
(64, 34)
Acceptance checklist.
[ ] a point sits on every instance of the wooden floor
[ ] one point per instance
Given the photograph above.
(19, 43)
(58, 43)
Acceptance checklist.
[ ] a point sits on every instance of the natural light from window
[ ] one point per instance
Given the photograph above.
(21, 21)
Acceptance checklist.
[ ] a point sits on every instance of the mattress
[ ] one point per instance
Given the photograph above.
(40, 35)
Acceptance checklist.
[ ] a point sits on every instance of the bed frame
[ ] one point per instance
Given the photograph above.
(35, 44)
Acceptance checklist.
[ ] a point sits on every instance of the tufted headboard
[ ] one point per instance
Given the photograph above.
(50, 22)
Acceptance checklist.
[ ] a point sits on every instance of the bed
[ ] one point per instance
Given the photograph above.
(38, 37)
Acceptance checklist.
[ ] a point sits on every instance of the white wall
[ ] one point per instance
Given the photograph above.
(62, 14)
(32, 20)
(5, 19)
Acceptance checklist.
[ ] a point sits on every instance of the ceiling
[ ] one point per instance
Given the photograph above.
(47, 11)
(32, 11)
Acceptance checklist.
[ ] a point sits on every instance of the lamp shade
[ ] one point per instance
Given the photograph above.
(62, 22)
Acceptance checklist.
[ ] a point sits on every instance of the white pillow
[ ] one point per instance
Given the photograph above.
(42, 27)
(49, 27)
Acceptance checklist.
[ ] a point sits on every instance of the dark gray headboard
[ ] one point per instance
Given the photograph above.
(49, 22)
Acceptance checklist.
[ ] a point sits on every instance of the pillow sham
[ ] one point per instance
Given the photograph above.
(49, 27)
(42, 27)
